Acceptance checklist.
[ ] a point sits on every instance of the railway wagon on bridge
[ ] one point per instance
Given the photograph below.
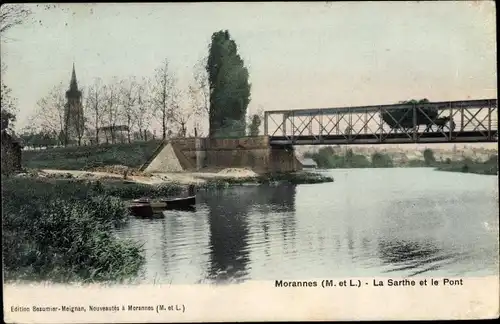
(408, 117)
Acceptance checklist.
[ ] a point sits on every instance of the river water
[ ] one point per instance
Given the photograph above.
(369, 222)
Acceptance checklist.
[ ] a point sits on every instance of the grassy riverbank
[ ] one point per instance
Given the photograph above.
(84, 157)
(329, 159)
(61, 231)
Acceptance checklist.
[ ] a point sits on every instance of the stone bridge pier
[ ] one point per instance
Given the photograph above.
(198, 154)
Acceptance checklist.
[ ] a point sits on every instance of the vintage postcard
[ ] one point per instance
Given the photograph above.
(268, 161)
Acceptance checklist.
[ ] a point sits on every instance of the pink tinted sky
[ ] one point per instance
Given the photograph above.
(300, 55)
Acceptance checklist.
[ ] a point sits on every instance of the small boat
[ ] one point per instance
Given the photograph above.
(146, 207)
(179, 203)
(141, 210)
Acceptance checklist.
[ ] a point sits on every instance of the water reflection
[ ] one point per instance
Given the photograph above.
(228, 213)
(366, 223)
(407, 255)
(420, 234)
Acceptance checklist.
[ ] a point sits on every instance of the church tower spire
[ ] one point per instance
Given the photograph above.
(74, 118)
(73, 84)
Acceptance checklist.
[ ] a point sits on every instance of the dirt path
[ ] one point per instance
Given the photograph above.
(158, 178)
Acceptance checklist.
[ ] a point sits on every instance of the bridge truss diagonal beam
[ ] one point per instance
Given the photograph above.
(447, 121)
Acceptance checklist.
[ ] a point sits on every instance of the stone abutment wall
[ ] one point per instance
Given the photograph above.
(218, 153)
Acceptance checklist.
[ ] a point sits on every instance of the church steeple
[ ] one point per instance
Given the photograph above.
(73, 91)
(73, 114)
(73, 84)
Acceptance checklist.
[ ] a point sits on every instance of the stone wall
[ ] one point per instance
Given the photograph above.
(219, 153)
(246, 152)
(165, 161)
(283, 159)
(186, 150)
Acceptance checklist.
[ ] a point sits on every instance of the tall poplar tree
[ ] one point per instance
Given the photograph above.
(229, 87)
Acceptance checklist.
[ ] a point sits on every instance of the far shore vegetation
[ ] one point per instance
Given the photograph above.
(328, 158)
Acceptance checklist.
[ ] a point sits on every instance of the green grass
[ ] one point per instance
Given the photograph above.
(62, 231)
(83, 157)
(489, 167)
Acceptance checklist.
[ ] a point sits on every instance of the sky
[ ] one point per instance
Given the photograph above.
(299, 55)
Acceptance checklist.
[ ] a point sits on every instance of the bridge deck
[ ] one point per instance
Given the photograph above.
(464, 121)
(397, 138)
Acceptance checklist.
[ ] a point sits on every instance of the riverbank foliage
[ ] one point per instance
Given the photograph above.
(489, 167)
(294, 178)
(329, 159)
(83, 157)
(62, 231)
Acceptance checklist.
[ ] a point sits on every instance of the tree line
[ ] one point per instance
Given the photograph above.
(125, 108)
(219, 92)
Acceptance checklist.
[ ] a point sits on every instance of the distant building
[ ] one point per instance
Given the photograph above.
(11, 152)
(308, 163)
(74, 125)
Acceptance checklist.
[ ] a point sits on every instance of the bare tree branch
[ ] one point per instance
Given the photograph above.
(111, 108)
(11, 15)
(179, 115)
(128, 99)
(163, 87)
(95, 105)
(50, 113)
(199, 92)
(76, 120)
(142, 112)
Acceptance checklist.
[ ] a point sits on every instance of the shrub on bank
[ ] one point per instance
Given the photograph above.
(63, 231)
(489, 167)
(271, 178)
(380, 160)
(329, 159)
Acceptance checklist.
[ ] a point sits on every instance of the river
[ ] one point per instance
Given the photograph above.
(369, 222)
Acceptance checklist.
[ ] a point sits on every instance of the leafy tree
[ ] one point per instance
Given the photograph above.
(253, 128)
(229, 86)
(8, 106)
(429, 158)
(380, 160)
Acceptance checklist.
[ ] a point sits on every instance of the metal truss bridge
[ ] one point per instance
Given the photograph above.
(431, 122)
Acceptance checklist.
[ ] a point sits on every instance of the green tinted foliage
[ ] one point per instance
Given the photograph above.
(63, 231)
(380, 160)
(229, 85)
(326, 157)
(429, 158)
(84, 157)
(253, 128)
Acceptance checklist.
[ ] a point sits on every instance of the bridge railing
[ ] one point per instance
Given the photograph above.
(446, 119)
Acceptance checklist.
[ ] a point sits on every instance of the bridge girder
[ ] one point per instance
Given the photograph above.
(443, 121)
